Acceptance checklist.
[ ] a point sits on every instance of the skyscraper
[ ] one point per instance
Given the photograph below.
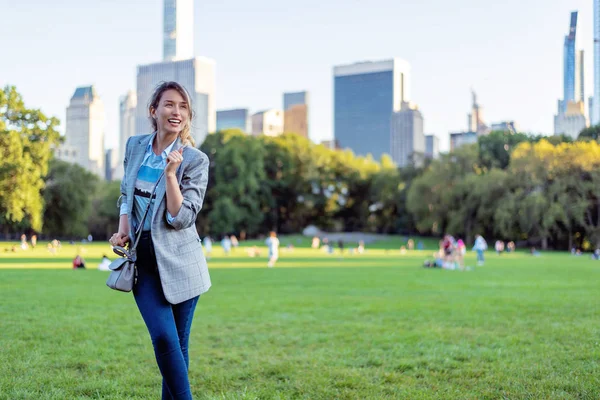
(475, 118)
(295, 108)
(595, 109)
(294, 98)
(570, 118)
(579, 77)
(234, 119)
(569, 62)
(432, 146)
(84, 131)
(268, 122)
(407, 139)
(178, 30)
(505, 126)
(572, 121)
(365, 96)
(196, 74)
(127, 109)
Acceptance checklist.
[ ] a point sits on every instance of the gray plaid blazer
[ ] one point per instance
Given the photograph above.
(181, 263)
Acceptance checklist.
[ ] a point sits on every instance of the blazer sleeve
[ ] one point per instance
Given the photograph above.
(123, 197)
(194, 180)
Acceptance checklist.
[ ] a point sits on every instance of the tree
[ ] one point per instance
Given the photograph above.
(104, 216)
(495, 148)
(26, 139)
(236, 173)
(592, 132)
(68, 196)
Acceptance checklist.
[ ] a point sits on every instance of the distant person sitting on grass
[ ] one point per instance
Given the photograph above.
(499, 246)
(24, 244)
(534, 252)
(103, 266)
(361, 247)
(78, 262)
(315, 242)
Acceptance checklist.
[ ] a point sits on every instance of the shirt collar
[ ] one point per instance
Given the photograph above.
(165, 152)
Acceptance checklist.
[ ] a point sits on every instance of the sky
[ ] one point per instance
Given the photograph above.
(509, 52)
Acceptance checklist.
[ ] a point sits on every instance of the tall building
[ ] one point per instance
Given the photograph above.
(109, 165)
(365, 96)
(475, 118)
(234, 119)
(458, 139)
(572, 121)
(505, 126)
(432, 146)
(127, 110)
(197, 75)
(331, 144)
(295, 106)
(595, 108)
(579, 77)
(294, 98)
(178, 30)
(569, 63)
(570, 118)
(268, 122)
(84, 131)
(407, 138)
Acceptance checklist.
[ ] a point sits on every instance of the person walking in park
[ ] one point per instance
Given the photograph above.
(172, 270)
(480, 246)
(273, 245)
(207, 246)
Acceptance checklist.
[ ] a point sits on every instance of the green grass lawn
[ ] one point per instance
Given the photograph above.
(318, 326)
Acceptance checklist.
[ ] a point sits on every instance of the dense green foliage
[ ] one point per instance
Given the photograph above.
(26, 136)
(286, 183)
(535, 192)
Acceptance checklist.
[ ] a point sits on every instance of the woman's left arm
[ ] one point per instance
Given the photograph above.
(184, 200)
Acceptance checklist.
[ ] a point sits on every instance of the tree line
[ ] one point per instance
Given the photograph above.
(509, 186)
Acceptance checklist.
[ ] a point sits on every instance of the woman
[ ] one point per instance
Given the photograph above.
(172, 271)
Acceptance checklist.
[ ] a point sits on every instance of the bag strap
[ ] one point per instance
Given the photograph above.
(138, 234)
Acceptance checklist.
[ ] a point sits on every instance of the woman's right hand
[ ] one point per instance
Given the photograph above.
(119, 239)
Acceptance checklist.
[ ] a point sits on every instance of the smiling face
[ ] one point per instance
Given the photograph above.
(172, 113)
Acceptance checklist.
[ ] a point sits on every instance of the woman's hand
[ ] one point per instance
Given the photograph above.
(174, 160)
(119, 239)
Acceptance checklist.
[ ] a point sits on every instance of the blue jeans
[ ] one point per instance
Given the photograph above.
(480, 256)
(168, 324)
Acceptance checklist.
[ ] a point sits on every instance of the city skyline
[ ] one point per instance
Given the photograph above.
(447, 59)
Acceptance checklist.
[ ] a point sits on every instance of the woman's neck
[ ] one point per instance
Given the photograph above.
(162, 141)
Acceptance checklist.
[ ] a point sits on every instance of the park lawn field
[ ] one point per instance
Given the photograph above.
(318, 326)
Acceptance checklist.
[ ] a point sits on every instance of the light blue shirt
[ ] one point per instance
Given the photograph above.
(152, 166)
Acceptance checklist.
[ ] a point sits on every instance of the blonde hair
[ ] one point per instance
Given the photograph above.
(185, 134)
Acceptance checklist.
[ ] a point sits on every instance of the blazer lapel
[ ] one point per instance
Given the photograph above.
(162, 187)
(137, 157)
